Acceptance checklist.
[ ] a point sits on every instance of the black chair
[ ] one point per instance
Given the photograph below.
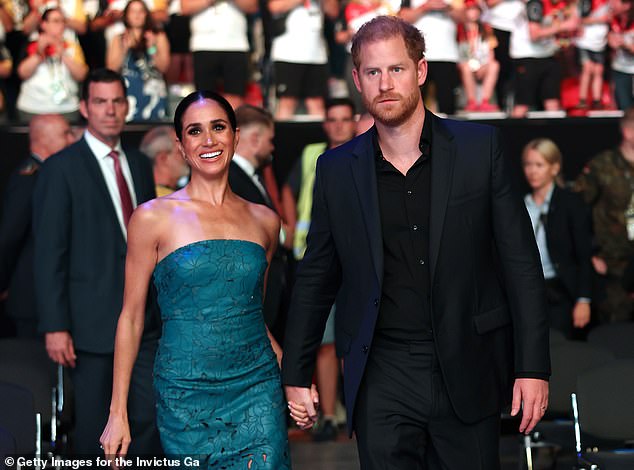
(25, 362)
(18, 417)
(568, 360)
(606, 416)
(7, 446)
(616, 337)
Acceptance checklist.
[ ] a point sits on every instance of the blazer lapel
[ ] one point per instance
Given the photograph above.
(553, 205)
(94, 171)
(364, 176)
(443, 155)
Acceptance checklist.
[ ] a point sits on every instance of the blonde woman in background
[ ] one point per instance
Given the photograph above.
(563, 231)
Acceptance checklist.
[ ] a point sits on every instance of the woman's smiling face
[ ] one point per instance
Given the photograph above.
(207, 141)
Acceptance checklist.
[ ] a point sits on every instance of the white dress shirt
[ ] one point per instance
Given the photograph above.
(106, 164)
(249, 169)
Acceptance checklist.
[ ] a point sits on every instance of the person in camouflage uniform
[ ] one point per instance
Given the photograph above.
(607, 183)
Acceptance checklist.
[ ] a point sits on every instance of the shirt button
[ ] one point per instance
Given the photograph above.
(376, 302)
(365, 349)
(414, 227)
(421, 261)
(409, 192)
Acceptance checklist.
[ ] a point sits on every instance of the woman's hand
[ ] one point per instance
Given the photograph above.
(127, 40)
(115, 438)
(43, 41)
(150, 39)
(300, 414)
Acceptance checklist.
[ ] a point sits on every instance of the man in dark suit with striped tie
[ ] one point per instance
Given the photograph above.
(83, 200)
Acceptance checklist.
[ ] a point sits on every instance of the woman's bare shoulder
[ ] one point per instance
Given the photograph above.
(157, 211)
(265, 215)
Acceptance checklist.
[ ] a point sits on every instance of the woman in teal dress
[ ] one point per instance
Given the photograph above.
(216, 374)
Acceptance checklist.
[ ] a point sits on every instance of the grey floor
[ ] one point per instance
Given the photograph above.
(342, 455)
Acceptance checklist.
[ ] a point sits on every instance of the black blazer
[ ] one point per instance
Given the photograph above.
(276, 287)
(80, 250)
(488, 304)
(569, 241)
(16, 241)
(243, 185)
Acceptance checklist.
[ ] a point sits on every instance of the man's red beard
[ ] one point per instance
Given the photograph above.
(399, 111)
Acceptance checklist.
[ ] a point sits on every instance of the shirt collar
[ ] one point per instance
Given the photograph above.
(424, 143)
(98, 148)
(528, 199)
(245, 164)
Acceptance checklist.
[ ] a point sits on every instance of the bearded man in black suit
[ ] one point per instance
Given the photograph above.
(441, 310)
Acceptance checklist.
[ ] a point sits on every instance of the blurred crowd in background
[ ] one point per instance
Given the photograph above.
(485, 56)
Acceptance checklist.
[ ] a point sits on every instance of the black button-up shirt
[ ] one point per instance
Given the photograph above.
(404, 204)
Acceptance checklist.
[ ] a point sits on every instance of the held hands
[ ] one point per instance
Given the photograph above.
(531, 395)
(115, 439)
(48, 46)
(303, 403)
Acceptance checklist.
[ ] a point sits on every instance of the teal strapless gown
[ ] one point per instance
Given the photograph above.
(216, 378)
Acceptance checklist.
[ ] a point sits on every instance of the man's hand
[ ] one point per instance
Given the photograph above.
(531, 395)
(581, 314)
(599, 265)
(303, 403)
(59, 346)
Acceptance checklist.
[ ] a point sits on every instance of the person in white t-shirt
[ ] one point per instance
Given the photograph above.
(591, 46)
(438, 20)
(621, 40)
(51, 71)
(533, 47)
(299, 54)
(501, 15)
(220, 45)
(476, 44)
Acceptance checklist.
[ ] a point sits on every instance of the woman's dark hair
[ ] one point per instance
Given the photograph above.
(139, 49)
(201, 95)
(47, 13)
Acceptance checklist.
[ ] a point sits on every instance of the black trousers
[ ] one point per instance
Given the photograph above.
(92, 384)
(404, 419)
(446, 77)
(505, 77)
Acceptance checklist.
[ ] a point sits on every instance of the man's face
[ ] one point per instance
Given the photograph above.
(339, 125)
(389, 80)
(265, 145)
(105, 109)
